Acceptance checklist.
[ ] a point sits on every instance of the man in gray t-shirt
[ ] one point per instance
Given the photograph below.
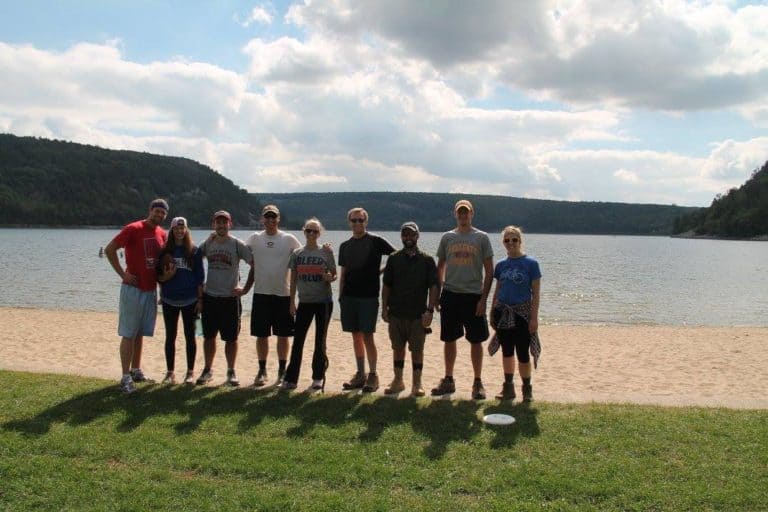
(465, 269)
(221, 297)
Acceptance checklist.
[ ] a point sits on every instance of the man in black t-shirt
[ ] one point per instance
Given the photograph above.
(360, 266)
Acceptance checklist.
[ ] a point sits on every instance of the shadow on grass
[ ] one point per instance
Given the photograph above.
(441, 422)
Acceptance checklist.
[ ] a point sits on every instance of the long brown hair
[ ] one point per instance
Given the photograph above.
(189, 247)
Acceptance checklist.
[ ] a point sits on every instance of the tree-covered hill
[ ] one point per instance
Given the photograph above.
(434, 212)
(740, 213)
(56, 183)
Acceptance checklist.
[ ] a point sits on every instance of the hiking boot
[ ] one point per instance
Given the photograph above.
(189, 378)
(395, 386)
(170, 378)
(371, 383)
(232, 379)
(356, 382)
(527, 393)
(205, 377)
(445, 387)
(478, 391)
(126, 385)
(138, 376)
(287, 385)
(416, 389)
(507, 392)
(261, 379)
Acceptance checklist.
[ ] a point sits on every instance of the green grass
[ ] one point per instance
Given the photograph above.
(69, 443)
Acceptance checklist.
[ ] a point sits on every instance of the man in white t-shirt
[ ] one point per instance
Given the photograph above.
(270, 312)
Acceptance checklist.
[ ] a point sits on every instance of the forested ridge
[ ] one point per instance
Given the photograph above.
(740, 213)
(55, 183)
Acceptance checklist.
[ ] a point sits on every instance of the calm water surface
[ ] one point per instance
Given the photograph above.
(586, 279)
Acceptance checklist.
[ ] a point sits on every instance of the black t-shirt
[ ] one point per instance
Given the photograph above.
(361, 259)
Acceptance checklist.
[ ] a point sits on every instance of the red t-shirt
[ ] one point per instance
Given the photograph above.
(142, 243)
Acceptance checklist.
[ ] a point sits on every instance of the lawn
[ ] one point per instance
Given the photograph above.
(71, 443)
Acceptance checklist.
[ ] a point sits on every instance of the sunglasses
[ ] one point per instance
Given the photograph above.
(357, 221)
(311, 231)
(512, 240)
(270, 216)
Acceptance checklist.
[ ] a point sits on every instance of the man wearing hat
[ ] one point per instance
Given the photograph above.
(142, 241)
(465, 269)
(408, 299)
(221, 296)
(271, 310)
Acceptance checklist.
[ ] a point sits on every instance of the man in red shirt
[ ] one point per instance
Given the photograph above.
(142, 241)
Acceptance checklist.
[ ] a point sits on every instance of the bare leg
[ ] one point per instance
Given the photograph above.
(138, 345)
(525, 369)
(209, 351)
(358, 345)
(449, 354)
(230, 352)
(282, 348)
(509, 365)
(477, 359)
(262, 347)
(370, 349)
(126, 354)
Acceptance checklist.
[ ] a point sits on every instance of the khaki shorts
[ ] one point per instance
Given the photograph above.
(408, 331)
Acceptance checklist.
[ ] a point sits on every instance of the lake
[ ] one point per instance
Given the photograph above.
(587, 279)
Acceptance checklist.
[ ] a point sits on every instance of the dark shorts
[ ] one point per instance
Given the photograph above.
(271, 315)
(457, 318)
(359, 314)
(517, 339)
(407, 331)
(221, 315)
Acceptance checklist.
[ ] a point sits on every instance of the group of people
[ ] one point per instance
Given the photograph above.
(408, 291)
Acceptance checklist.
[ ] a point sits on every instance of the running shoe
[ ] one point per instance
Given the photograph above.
(232, 379)
(205, 377)
(261, 379)
(126, 385)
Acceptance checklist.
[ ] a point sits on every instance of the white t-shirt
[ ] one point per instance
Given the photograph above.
(270, 261)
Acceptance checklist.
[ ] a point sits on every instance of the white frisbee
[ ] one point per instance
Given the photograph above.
(498, 419)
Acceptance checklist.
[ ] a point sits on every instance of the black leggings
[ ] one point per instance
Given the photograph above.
(321, 312)
(171, 320)
(518, 338)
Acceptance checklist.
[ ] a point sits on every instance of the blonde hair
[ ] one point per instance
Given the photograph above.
(314, 220)
(514, 230)
(358, 209)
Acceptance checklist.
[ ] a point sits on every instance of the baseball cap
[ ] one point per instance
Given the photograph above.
(222, 213)
(178, 221)
(410, 225)
(270, 208)
(463, 203)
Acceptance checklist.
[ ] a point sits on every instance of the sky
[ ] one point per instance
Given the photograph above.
(586, 100)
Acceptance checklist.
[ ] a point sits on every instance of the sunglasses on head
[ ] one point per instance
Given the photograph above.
(513, 240)
(357, 221)
(310, 231)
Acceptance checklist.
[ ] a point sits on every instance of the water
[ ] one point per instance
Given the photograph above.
(586, 279)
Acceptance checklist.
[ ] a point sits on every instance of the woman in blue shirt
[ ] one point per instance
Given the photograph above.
(515, 313)
(181, 277)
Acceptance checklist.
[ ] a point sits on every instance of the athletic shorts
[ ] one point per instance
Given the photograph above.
(138, 312)
(271, 315)
(359, 314)
(457, 318)
(408, 331)
(221, 315)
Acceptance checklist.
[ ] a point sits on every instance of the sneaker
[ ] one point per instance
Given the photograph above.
(445, 387)
(138, 376)
(318, 384)
(394, 387)
(527, 393)
(280, 376)
(261, 379)
(205, 377)
(232, 379)
(478, 391)
(170, 378)
(507, 392)
(371, 383)
(356, 382)
(287, 385)
(126, 385)
(189, 378)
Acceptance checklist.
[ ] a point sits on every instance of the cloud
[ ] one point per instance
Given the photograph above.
(258, 14)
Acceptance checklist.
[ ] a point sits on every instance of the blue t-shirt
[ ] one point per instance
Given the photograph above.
(515, 276)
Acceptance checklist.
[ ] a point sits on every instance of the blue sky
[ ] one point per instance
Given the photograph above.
(646, 102)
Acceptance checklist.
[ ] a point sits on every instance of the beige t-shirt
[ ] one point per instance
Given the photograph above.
(270, 261)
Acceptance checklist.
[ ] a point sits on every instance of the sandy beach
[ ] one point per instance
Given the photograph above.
(676, 366)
